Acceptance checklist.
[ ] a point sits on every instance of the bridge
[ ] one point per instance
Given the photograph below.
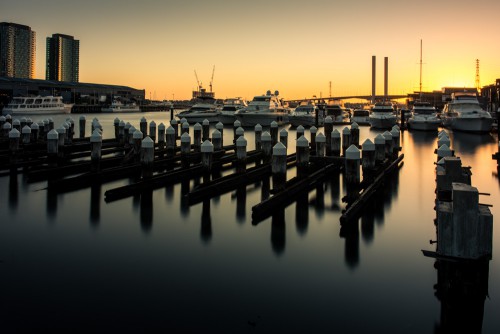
(360, 97)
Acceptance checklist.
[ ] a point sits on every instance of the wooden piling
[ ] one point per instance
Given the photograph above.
(116, 126)
(302, 156)
(61, 131)
(174, 124)
(26, 135)
(352, 163)
(335, 143)
(207, 152)
(443, 140)
(143, 127)
(2, 122)
(95, 151)
(34, 132)
(42, 135)
(137, 143)
(14, 141)
(184, 128)
(220, 127)
(284, 137)
(266, 147)
(16, 124)
(147, 157)
(52, 145)
(239, 132)
(328, 128)
(152, 131)
(274, 133)
(236, 125)
(346, 139)
(300, 131)
(7, 127)
(368, 156)
(258, 137)
(205, 135)
(443, 151)
(395, 132)
(388, 144)
(161, 136)
(185, 149)
(171, 141)
(320, 143)
(313, 131)
(81, 125)
(241, 154)
(355, 134)
(197, 137)
(379, 148)
(278, 167)
(217, 140)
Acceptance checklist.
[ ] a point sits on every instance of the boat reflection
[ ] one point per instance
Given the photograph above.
(468, 143)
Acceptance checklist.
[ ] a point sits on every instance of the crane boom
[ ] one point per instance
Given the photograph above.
(197, 81)
(212, 79)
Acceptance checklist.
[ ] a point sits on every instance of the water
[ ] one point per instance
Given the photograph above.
(73, 261)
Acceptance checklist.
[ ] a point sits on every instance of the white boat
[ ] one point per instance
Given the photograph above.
(305, 115)
(423, 116)
(337, 112)
(118, 106)
(38, 105)
(229, 108)
(263, 110)
(204, 109)
(382, 116)
(464, 113)
(361, 116)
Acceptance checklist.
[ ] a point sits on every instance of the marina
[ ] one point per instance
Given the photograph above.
(154, 252)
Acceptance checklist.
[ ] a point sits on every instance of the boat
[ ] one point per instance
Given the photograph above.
(229, 107)
(337, 112)
(38, 105)
(361, 116)
(382, 116)
(423, 116)
(205, 109)
(263, 110)
(120, 107)
(464, 113)
(305, 115)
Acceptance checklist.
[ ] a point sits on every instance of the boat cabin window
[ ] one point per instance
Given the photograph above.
(262, 99)
(46, 100)
(29, 101)
(54, 100)
(38, 101)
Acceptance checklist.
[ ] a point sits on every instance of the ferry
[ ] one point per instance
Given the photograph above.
(118, 106)
(39, 105)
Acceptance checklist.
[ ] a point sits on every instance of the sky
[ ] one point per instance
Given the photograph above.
(296, 47)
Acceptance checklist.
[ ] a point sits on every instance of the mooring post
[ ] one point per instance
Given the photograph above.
(266, 147)
(41, 131)
(300, 131)
(258, 137)
(236, 125)
(161, 136)
(152, 131)
(184, 127)
(352, 163)
(175, 125)
(403, 119)
(16, 124)
(284, 137)
(443, 151)
(320, 143)
(172, 112)
(137, 142)
(205, 130)
(355, 134)
(46, 126)
(443, 140)
(197, 137)
(207, 153)
(274, 133)
(81, 126)
(121, 133)
(23, 122)
(241, 154)
(396, 140)
(51, 124)
(388, 144)
(239, 132)
(130, 139)
(71, 133)
(220, 127)
(143, 127)
(335, 142)
(302, 156)
(34, 132)
(14, 142)
(147, 157)
(185, 149)
(2, 122)
(26, 134)
(368, 158)
(95, 151)
(66, 133)
(217, 140)
(7, 127)
(171, 141)
(116, 125)
(328, 128)
(313, 131)
(60, 142)
(346, 139)
(379, 148)
(278, 166)
(8, 119)
(52, 146)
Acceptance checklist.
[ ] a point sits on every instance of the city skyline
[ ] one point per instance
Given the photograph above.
(290, 46)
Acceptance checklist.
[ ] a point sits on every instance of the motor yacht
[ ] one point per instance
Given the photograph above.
(229, 107)
(263, 110)
(382, 116)
(40, 105)
(307, 115)
(205, 109)
(464, 113)
(120, 107)
(361, 116)
(423, 116)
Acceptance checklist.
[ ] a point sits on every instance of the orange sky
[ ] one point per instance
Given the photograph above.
(296, 47)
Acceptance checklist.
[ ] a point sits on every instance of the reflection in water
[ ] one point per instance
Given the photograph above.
(420, 138)
(95, 203)
(51, 204)
(13, 192)
(319, 200)
(241, 201)
(350, 232)
(278, 232)
(368, 224)
(206, 222)
(335, 191)
(146, 199)
(169, 193)
(468, 143)
(184, 199)
(302, 213)
(265, 189)
(461, 288)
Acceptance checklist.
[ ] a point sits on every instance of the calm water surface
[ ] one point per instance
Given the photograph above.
(151, 262)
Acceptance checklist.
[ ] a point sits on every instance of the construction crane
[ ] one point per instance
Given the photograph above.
(197, 81)
(212, 79)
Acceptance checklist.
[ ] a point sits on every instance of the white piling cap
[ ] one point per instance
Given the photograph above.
(14, 133)
(346, 131)
(67, 126)
(7, 126)
(258, 127)
(335, 133)
(274, 124)
(300, 128)
(29, 120)
(2, 118)
(313, 129)
(266, 136)
(147, 143)
(219, 125)
(395, 127)
(354, 125)
(302, 142)
(216, 134)
(151, 124)
(395, 132)
(143, 119)
(161, 126)
(444, 140)
(279, 149)
(206, 122)
(185, 125)
(328, 119)
(35, 126)
(197, 126)
(137, 134)
(53, 134)
(442, 132)
(16, 122)
(82, 117)
(240, 131)
(41, 124)
(122, 123)
(387, 135)
(170, 131)
(183, 120)
(96, 137)
(368, 145)
(443, 151)
(241, 141)
(440, 165)
(132, 129)
(185, 138)
(23, 119)
(207, 147)
(45, 121)
(116, 121)
(128, 125)
(61, 129)
(26, 129)
(283, 133)
(379, 139)
(237, 124)
(8, 116)
(352, 153)
(320, 138)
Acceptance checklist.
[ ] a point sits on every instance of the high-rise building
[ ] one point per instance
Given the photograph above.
(17, 51)
(63, 58)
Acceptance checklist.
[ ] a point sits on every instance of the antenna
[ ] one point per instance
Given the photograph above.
(212, 79)
(478, 84)
(420, 86)
(330, 89)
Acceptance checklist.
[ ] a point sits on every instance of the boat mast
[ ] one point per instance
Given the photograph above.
(420, 91)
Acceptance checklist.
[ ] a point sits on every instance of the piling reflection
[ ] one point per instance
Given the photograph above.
(206, 222)
(278, 232)
(335, 191)
(184, 199)
(146, 210)
(95, 204)
(51, 204)
(302, 213)
(318, 201)
(13, 192)
(241, 202)
(350, 232)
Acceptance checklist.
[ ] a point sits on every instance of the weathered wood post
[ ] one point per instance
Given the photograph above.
(258, 137)
(34, 132)
(171, 141)
(320, 145)
(368, 158)
(184, 127)
(236, 125)
(121, 133)
(71, 133)
(302, 156)
(116, 126)
(217, 140)
(220, 127)
(239, 132)
(207, 153)
(174, 124)
(46, 126)
(335, 142)
(143, 127)
(352, 163)
(152, 131)
(197, 137)
(161, 138)
(52, 146)
(26, 135)
(185, 149)
(16, 124)
(403, 119)
(42, 135)
(60, 142)
(388, 144)
(328, 134)
(205, 135)
(300, 131)
(51, 124)
(23, 121)
(395, 132)
(8, 119)
(274, 133)
(130, 139)
(7, 127)
(379, 148)
(266, 147)
(355, 134)
(346, 139)
(278, 166)
(81, 126)
(95, 151)
(284, 137)
(443, 151)
(443, 140)
(313, 131)
(147, 157)
(241, 154)
(66, 134)
(2, 122)
(137, 142)
(14, 145)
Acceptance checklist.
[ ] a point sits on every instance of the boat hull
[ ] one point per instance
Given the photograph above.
(199, 117)
(424, 125)
(120, 110)
(227, 119)
(264, 119)
(474, 125)
(36, 111)
(306, 121)
(382, 121)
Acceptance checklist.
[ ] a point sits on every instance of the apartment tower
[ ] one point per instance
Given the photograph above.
(17, 51)
(63, 58)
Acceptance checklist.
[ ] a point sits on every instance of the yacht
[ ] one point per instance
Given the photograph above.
(423, 116)
(205, 109)
(336, 111)
(382, 116)
(305, 115)
(229, 107)
(361, 116)
(263, 110)
(37, 105)
(118, 106)
(464, 113)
